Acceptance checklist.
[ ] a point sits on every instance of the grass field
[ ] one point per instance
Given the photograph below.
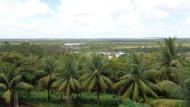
(86, 99)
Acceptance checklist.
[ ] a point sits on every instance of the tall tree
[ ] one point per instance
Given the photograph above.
(94, 78)
(169, 59)
(29, 66)
(13, 58)
(49, 66)
(67, 79)
(133, 85)
(10, 80)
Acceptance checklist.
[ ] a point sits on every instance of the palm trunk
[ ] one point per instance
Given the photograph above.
(49, 89)
(98, 97)
(80, 93)
(48, 94)
(61, 96)
(98, 93)
(28, 93)
(69, 100)
(15, 99)
(13, 102)
(77, 95)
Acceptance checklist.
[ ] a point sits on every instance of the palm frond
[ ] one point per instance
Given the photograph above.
(172, 90)
(3, 86)
(25, 85)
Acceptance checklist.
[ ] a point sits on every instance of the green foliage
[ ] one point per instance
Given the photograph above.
(172, 90)
(115, 68)
(94, 78)
(67, 80)
(10, 81)
(160, 79)
(134, 85)
(49, 66)
(169, 59)
(187, 87)
(13, 58)
(27, 49)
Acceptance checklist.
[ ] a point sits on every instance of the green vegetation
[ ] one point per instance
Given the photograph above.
(94, 78)
(47, 73)
(133, 85)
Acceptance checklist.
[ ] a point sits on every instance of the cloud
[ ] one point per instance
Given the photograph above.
(14, 12)
(183, 28)
(98, 16)
(17, 9)
(30, 8)
(92, 18)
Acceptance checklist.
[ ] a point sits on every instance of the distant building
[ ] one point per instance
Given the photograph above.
(112, 54)
(118, 54)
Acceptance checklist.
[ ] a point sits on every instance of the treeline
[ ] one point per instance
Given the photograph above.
(27, 48)
(158, 79)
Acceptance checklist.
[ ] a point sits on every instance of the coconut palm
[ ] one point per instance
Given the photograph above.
(29, 66)
(13, 58)
(67, 80)
(10, 80)
(49, 67)
(133, 85)
(94, 79)
(169, 59)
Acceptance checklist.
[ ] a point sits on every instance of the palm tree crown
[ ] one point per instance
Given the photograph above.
(67, 80)
(133, 85)
(10, 80)
(95, 78)
(49, 67)
(169, 59)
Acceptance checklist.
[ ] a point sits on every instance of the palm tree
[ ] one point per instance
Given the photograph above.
(29, 66)
(49, 67)
(133, 85)
(169, 59)
(10, 80)
(67, 80)
(94, 78)
(13, 58)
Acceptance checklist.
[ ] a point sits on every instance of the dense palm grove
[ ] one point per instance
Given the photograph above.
(157, 79)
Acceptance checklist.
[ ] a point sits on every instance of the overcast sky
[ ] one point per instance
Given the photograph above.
(94, 18)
